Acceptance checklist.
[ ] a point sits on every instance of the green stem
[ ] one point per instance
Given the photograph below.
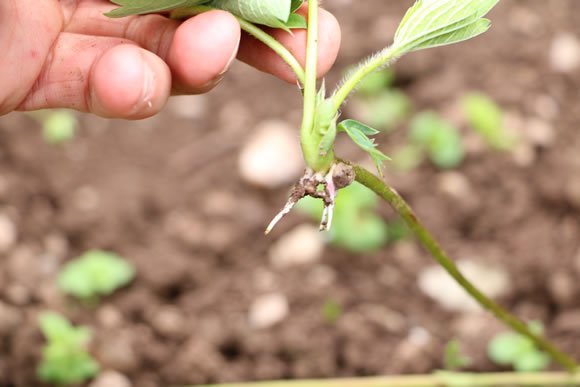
(378, 186)
(309, 111)
(366, 68)
(257, 33)
(435, 380)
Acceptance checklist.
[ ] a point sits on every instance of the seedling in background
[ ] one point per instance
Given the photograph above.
(438, 138)
(486, 118)
(95, 273)
(58, 126)
(65, 359)
(331, 311)
(514, 350)
(380, 105)
(357, 227)
(454, 357)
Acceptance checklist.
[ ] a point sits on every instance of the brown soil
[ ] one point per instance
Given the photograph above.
(165, 193)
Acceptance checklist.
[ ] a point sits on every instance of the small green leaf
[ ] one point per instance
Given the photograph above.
(431, 23)
(532, 361)
(296, 4)
(95, 273)
(359, 133)
(439, 138)
(65, 360)
(296, 21)
(486, 118)
(506, 348)
(59, 127)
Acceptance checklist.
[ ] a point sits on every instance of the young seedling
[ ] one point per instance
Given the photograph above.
(517, 351)
(58, 126)
(438, 138)
(486, 118)
(94, 274)
(65, 360)
(331, 311)
(455, 359)
(379, 104)
(427, 24)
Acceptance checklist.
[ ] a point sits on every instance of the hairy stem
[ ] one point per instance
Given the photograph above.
(257, 33)
(308, 114)
(366, 68)
(378, 186)
(435, 380)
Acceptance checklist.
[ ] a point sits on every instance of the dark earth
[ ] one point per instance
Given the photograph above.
(166, 194)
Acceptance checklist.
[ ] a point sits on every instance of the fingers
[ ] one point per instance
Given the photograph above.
(263, 58)
(198, 51)
(202, 50)
(24, 49)
(105, 76)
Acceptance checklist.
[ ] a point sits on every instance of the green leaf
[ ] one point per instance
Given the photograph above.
(296, 4)
(454, 357)
(506, 348)
(532, 361)
(270, 13)
(95, 273)
(59, 127)
(359, 133)
(140, 7)
(439, 138)
(65, 360)
(296, 21)
(486, 118)
(431, 23)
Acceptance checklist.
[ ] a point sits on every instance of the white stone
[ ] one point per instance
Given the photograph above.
(438, 285)
(454, 184)
(111, 379)
(271, 157)
(268, 310)
(8, 233)
(565, 53)
(540, 132)
(301, 246)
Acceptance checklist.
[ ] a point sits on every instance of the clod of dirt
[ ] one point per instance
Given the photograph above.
(8, 233)
(437, 284)
(565, 53)
(116, 350)
(10, 318)
(301, 246)
(268, 310)
(169, 321)
(111, 379)
(271, 157)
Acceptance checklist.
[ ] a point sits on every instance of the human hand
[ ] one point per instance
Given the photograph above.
(67, 54)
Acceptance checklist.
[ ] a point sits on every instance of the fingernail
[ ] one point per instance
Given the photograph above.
(148, 86)
(231, 60)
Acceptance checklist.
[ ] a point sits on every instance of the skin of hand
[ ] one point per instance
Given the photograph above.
(67, 54)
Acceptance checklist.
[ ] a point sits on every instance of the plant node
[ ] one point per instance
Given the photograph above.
(318, 186)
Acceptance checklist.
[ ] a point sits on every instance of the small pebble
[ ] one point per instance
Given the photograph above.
(8, 233)
(271, 157)
(268, 310)
(565, 53)
(111, 379)
(301, 246)
(437, 284)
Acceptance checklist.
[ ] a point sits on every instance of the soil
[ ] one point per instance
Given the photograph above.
(166, 194)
